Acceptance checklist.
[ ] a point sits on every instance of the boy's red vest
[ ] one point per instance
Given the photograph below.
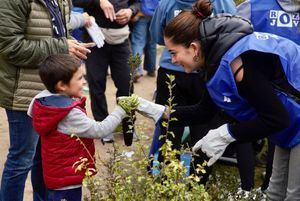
(60, 151)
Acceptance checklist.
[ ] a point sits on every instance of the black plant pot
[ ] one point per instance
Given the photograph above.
(128, 130)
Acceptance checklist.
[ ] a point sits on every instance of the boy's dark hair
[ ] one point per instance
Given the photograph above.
(58, 67)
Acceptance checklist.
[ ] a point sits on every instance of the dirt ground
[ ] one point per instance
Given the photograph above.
(145, 88)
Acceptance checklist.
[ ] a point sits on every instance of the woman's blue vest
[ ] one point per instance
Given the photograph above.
(268, 16)
(223, 90)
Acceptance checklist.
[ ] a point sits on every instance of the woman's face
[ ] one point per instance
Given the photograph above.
(185, 56)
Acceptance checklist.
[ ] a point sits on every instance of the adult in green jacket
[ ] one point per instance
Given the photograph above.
(30, 31)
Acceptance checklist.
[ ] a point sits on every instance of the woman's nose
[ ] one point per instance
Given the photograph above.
(174, 61)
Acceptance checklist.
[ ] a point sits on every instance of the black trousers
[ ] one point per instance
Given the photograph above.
(97, 63)
(246, 165)
(188, 90)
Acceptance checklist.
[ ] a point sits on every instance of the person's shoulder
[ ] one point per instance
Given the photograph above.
(56, 101)
(164, 4)
(244, 9)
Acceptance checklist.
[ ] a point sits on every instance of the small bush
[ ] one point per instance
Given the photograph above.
(128, 178)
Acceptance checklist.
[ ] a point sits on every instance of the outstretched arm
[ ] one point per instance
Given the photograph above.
(82, 126)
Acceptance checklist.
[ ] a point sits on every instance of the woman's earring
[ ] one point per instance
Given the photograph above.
(196, 58)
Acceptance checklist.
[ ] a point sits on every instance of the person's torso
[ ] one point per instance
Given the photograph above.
(60, 151)
(268, 16)
(223, 90)
(19, 84)
(100, 18)
(148, 6)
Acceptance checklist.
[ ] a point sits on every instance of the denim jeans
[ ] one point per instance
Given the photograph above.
(141, 43)
(23, 141)
(40, 192)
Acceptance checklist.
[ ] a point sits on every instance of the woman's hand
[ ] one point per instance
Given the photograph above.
(145, 107)
(214, 143)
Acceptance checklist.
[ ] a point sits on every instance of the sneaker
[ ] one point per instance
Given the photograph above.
(108, 139)
(135, 137)
(242, 193)
(151, 73)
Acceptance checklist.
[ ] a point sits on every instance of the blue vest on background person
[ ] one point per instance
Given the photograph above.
(223, 90)
(167, 10)
(148, 6)
(268, 16)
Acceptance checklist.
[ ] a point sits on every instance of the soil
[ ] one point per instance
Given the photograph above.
(144, 88)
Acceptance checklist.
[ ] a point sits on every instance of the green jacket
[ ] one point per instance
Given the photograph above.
(25, 41)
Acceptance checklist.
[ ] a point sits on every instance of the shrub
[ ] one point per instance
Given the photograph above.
(129, 178)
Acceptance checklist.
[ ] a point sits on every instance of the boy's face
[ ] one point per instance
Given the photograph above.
(74, 88)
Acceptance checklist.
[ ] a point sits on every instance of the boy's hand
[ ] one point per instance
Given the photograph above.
(128, 103)
(143, 106)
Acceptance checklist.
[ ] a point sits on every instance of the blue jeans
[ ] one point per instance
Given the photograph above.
(23, 141)
(40, 192)
(141, 43)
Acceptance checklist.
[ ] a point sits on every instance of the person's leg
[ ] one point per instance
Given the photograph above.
(40, 192)
(74, 194)
(150, 52)
(120, 74)
(279, 179)
(96, 69)
(194, 87)
(138, 39)
(23, 141)
(162, 97)
(197, 132)
(293, 188)
(246, 165)
(270, 157)
(96, 73)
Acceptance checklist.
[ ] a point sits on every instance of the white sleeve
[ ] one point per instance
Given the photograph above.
(78, 123)
(77, 20)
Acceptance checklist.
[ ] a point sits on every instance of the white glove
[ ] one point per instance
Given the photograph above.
(214, 143)
(150, 109)
(96, 34)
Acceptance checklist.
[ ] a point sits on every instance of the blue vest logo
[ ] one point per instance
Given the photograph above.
(279, 18)
(176, 12)
(268, 16)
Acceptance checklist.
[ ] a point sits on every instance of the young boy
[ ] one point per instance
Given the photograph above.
(59, 112)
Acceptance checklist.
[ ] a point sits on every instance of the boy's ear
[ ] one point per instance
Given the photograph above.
(60, 86)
